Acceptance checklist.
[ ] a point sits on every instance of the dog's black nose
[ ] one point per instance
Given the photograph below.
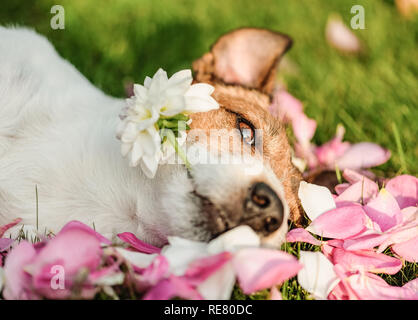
(263, 209)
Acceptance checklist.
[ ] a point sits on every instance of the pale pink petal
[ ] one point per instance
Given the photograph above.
(368, 241)
(157, 270)
(330, 151)
(17, 281)
(303, 128)
(285, 106)
(412, 285)
(339, 223)
(74, 248)
(400, 234)
(80, 225)
(384, 210)
(139, 245)
(5, 243)
(363, 191)
(363, 155)
(405, 190)
(407, 250)
(275, 294)
(339, 36)
(301, 235)
(372, 287)
(259, 269)
(409, 213)
(170, 288)
(340, 188)
(366, 260)
(353, 176)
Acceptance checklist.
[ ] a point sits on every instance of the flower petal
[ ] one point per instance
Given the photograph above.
(363, 155)
(405, 190)
(366, 260)
(86, 228)
(259, 269)
(139, 245)
(219, 285)
(407, 250)
(384, 210)
(301, 235)
(198, 99)
(172, 287)
(317, 276)
(339, 223)
(17, 281)
(234, 239)
(200, 269)
(360, 192)
(315, 199)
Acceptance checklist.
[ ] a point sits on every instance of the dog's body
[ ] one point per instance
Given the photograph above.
(57, 133)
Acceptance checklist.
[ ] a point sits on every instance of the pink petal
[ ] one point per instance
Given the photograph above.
(340, 188)
(301, 235)
(368, 241)
(329, 152)
(157, 270)
(172, 287)
(353, 176)
(372, 287)
(339, 223)
(384, 210)
(366, 260)
(338, 293)
(5, 243)
(359, 191)
(259, 269)
(400, 234)
(339, 36)
(285, 106)
(79, 225)
(17, 281)
(275, 294)
(405, 190)
(6, 227)
(303, 128)
(409, 213)
(74, 248)
(139, 245)
(363, 155)
(407, 250)
(199, 270)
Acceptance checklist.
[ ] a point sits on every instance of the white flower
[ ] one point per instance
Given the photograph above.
(160, 96)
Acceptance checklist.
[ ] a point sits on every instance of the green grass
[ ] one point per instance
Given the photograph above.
(116, 42)
(375, 96)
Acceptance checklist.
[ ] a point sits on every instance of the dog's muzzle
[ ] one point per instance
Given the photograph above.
(261, 209)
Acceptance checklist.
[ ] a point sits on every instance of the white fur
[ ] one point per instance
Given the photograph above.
(57, 132)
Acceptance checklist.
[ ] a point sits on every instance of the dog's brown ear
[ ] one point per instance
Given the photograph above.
(247, 57)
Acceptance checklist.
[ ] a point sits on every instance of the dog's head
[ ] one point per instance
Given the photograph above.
(242, 171)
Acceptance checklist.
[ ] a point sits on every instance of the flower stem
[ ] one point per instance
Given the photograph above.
(173, 141)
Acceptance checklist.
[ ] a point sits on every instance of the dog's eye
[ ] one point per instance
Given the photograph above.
(247, 132)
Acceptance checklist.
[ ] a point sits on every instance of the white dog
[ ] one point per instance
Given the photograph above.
(57, 134)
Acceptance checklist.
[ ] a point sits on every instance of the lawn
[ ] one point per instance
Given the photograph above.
(374, 96)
